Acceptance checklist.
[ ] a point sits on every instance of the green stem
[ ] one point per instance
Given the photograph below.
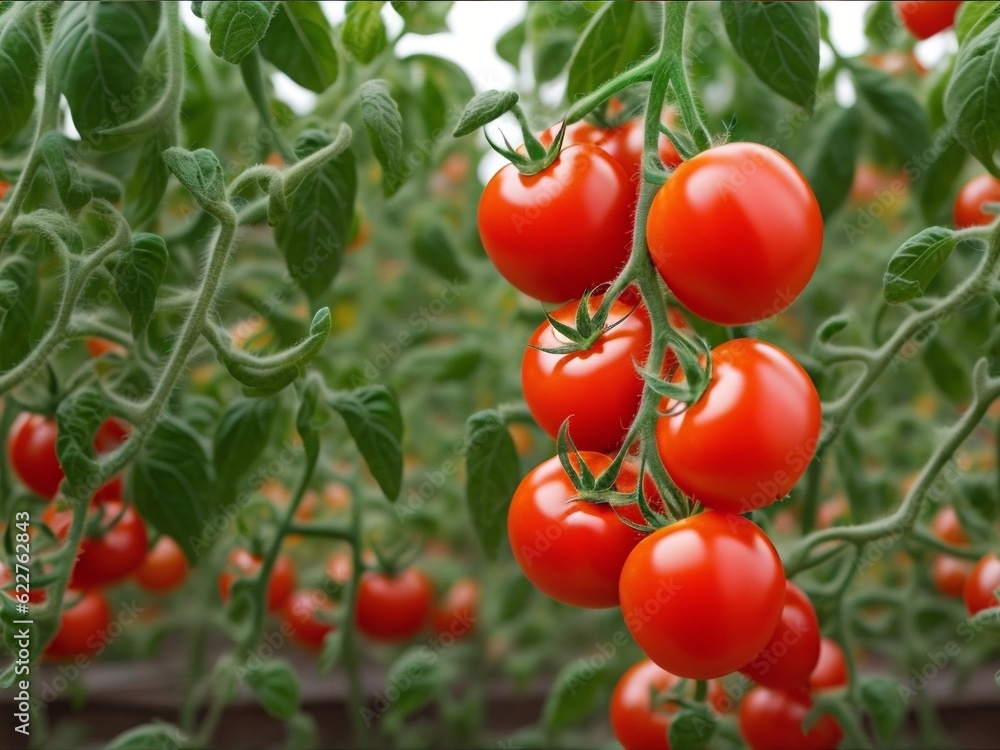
(641, 72)
(352, 663)
(675, 19)
(322, 531)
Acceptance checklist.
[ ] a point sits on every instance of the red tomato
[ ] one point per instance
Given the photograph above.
(111, 557)
(750, 437)
(720, 699)
(830, 671)
(950, 574)
(925, 19)
(736, 233)
(555, 234)
(111, 491)
(457, 612)
(4, 187)
(97, 347)
(636, 723)
(948, 528)
(571, 550)
(703, 596)
(983, 188)
(872, 182)
(393, 607)
(245, 565)
(793, 650)
(981, 587)
(301, 615)
(82, 626)
(561, 386)
(772, 720)
(164, 567)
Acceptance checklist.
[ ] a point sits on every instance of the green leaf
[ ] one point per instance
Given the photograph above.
(511, 42)
(20, 280)
(553, 30)
(333, 646)
(974, 18)
(780, 43)
(691, 728)
(277, 687)
(240, 439)
(493, 473)
(882, 26)
(20, 56)
(172, 484)
(199, 172)
(416, 676)
(885, 705)
(617, 36)
(948, 372)
(438, 365)
(484, 108)
(138, 273)
(364, 31)
(376, 424)
(984, 500)
(78, 417)
(915, 263)
(154, 736)
(572, 694)
(434, 248)
(385, 131)
(146, 188)
(299, 43)
(423, 17)
(892, 111)
(74, 192)
(935, 187)
(830, 152)
(97, 54)
(972, 99)
(236, 27)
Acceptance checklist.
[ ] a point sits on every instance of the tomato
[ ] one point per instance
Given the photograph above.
(111, 557)
(393, 607)
(736, 233)
(983, 188)
(830, 671)
(950, 574)
(981, 587)
(301, 615)
(82, 626)
(245, 565)
(361, 238)
(4, 187)
(752, 434)
(720, 699)
(164, 567)
(110, 435)
(873, 183)
(793, 650)
(947, 527)
(458, 612)
(636, 723)
(925, 19)
(571, 550)
(703, 596)
(561, 386)
(772, 720)
(555, 234)
(98, 347)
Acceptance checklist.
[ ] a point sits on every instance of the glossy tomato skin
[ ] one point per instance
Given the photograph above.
(950, 574)
(393, 608)
(301, 614)
(982, 584)
(703, 596)
(750, 437)
(458, 611)
(571, 550)
(164, 567)
(561, 386)
(947, 527)
(622, 143)
(246, 565)
(772, 720)
(926, 18)
(636, 723)
(108, 558)
(82, 626)
(736, 233)
(830, 671)
(983, 188)
(31, 449)
(555, 234)
(793, 650)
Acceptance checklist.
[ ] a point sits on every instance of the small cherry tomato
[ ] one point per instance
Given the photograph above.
(98, 347)
(458, 612)
(772, 720)
(301, 615)
(164, 567)
(793, 650)
(981, 587)
(983, 188)
(926, 18)
(393, 607)
(242, 564)
(830, 671)
(82, 626)
(950, 574)
(113, 555)
(637, 724)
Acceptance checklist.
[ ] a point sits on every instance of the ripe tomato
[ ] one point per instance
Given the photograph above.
(636, 723)
(571, 550)
(830, 671)
(82, 626)
(97, 347)
(393, 607)
(561, 386)
(793, 650)
(981, 587)
(4, 187)
(750, 437)
(950, 574)
(111, 557)
(458, 612)
(925, 19)
(301, 614)
(703, 596)
(772, 720)
(736, 233)
(873, 183)
(562, 231)
(720, 699)
(164, 567)
(983, 188)
(245, 565)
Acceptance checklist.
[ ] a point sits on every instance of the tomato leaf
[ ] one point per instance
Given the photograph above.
(885, 705)
(434, 248)
(364, 31)
(691, 728)
(829, 154)
(329, 656)
(79, 415)
(423, 17)
(20, 56)
(376, 424)
(276, 685)
(240, 439)
(935, 187)
(892, 111)
(974, 18)
(236, 27)
(882, 26)
(573, 693)
(915, 263)
(438, 365)
(20, 285)
(148, 184)
(972, 99)
(154, 736)
(74, 192)
(617, 37)
(493, 473)
(417, 676)
(385, 131)
(780, 43)
(511, 42)
(137, 273)
(299, 42)
(199, 172)
(484, 108)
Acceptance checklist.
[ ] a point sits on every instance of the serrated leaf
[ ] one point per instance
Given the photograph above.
(511, 42)
(885, 705)
(155, 736)
(376, 424)
(972, 99)
(385, 131)
(691, 728)
(78, 417)
(299, 42)
(434, 248)
(915, 263)
(617, 37)
(199, 172)
(572, 694)
(148, 184)
(235, 27)
(892, 111)
(974, 18)
(19, 274)
(138, 273)
(780, 43)
(277, 687)
(240, 439)
(484, 108)
(20, 56)
(935, 186)
(492, 474)
(364, 31)
(423, 16)
(828, 158)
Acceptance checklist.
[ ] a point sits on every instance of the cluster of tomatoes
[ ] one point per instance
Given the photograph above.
(956, 577)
